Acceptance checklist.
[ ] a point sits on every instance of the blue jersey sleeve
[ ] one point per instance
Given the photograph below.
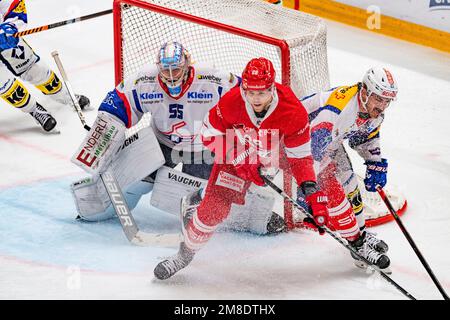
(117, 106)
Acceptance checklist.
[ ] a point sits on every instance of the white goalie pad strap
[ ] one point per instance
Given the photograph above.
(138, 156)
(254, 215)
(100, 144)
(170, 186)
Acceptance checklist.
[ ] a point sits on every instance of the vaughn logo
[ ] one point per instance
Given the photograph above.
(184, 180)
(129, 141)
(439, 4)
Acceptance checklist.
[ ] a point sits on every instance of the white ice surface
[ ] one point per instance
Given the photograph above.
(45, 253)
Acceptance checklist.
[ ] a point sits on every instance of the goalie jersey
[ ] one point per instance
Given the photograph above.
(176, 121)
(13, 11)
(333, 116)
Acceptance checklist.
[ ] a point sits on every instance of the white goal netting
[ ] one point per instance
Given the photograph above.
(226, 34)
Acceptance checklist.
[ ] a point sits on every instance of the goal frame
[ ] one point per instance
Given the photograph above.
(117, 20)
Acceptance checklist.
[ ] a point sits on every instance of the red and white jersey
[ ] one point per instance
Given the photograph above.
(284, 125)
(13, 11)
(334, 118)
(176, 121)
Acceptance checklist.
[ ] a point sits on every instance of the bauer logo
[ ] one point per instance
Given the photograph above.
(439, 4)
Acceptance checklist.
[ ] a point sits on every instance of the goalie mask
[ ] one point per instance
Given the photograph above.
(173, 65)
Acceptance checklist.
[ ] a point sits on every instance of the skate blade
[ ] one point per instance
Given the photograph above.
(362, 265)
(55, 130)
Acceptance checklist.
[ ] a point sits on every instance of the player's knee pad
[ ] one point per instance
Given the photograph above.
(15, 94)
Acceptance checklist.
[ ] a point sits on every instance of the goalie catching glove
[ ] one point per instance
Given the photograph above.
(101, 143)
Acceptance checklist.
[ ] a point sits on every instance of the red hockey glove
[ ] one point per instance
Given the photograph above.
(250, 172)
(310, 224)
(317, 201)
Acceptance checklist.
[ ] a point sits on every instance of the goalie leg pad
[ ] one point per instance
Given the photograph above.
(139, 155)
(171, 186)
(93, 203)
(254, 215)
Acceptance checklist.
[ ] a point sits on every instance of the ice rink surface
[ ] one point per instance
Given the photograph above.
(46, 254)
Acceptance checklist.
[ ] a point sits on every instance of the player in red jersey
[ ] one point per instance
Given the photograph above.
(248, 130)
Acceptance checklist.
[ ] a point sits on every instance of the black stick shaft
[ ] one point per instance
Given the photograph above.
(334, 236)
(61, 23)
(411, 241)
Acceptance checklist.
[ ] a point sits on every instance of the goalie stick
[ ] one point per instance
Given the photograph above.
(132, 232)
(411, 241)
(337, 237)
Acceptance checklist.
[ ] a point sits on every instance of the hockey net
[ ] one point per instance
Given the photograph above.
(226, 34)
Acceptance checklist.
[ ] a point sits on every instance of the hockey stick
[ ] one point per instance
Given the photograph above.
(411, 241)
(336, 237)
(127, 221)
(112, 187)
(76, 105)
(61, 23)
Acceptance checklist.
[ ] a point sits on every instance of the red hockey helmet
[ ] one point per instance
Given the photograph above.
(259, 74)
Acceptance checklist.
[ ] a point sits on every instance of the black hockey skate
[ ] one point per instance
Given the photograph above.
(366, 251)
(189, 204)
(375, 243)
(44, 118)
(172, 265)
(276, 224)
(83, 101)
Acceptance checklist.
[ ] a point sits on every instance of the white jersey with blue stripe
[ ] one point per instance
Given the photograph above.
(176, 120)
(333, 116)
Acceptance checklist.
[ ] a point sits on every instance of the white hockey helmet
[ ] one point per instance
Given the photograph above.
(381, 82)
(173, 64)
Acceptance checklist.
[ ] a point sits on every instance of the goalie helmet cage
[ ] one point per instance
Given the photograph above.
(226, 34)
